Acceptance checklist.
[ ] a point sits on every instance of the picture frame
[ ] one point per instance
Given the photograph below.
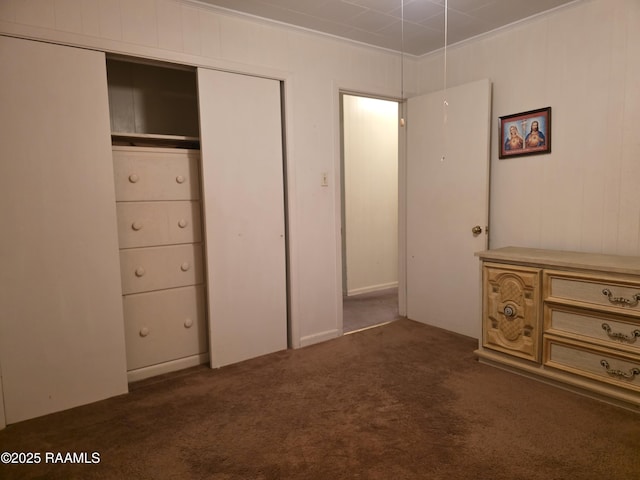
(526, 133)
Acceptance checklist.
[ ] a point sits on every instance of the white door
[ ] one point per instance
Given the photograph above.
(447, 195)
(61, 325)
(243, 202)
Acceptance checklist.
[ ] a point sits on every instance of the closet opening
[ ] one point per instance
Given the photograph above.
(370, 206)
(156, 160)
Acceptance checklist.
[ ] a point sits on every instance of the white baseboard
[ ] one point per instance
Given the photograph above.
(167, 367)
(320, 337)
(371, 288)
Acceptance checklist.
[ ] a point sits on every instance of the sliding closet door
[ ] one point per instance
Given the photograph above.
(61, 326)
(243, 193)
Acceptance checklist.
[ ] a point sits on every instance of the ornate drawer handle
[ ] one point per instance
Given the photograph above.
(619, 373)
(621, 336)
(509, 311)
(622, 300)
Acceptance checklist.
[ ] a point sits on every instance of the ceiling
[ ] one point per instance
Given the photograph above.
(378, 22)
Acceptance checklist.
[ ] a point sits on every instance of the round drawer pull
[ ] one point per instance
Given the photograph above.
(185, 266)
(180, 179)
(133, 178)
(136, 225)
(188, 323)
(182, 223)
(140, 271)
(144, 331)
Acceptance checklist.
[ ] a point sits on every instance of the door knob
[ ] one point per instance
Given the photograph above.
(477, 230)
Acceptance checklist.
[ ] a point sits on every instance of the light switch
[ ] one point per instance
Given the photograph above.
(325, 179)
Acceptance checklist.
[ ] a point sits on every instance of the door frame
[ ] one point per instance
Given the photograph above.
(340, 89)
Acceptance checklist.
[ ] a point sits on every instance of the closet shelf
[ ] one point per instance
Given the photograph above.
(154, 140)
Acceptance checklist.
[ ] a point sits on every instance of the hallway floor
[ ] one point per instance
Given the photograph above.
(370, 309)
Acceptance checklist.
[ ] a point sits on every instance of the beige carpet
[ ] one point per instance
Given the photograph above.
(401, 401)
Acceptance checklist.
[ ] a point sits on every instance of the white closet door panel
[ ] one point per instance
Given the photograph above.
(242, 172)
(62, 332)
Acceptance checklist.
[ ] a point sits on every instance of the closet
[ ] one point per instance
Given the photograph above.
(156, 163)
(139, 239)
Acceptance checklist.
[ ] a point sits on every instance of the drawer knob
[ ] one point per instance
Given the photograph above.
(188, 323)
(621, 336)
(140, 271)
(182, 223)
(144, 331)
(185, 266)
(136, 226)
(619, 373)
(133, 178)
(621, 300)
(180, 179)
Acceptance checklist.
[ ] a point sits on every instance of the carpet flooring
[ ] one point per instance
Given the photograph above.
(401, 401)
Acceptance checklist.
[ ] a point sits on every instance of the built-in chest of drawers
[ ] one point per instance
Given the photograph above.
(572, 319)
(161, 258)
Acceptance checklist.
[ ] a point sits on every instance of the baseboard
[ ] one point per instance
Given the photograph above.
(167, 367)
(320, 337)
(371, 289)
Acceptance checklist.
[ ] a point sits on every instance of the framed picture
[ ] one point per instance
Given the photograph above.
(526, 133)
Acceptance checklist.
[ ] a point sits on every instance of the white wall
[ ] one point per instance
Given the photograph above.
(370, 138)
(314, 69)
(582, 61)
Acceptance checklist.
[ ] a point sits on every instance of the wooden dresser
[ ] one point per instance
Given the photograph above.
(568, 318)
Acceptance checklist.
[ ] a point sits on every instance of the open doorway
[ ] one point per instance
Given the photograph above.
(369, 153)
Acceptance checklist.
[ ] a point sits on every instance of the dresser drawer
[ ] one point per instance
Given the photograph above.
(607, 330)
(164, 326)
(144, 224)
(593, 362)
(156, 268)
(148, 175)
(615, 293)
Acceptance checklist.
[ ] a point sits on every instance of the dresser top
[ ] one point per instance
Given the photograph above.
(563, 259)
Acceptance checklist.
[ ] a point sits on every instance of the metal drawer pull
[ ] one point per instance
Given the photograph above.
(621, 336)
(619, 373)
(621, 300)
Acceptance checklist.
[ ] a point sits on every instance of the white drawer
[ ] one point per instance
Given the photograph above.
(606, 330)
(615, 294)
(593, 362)
(156, 268)
(148, 175)
(144, 224)
(164, 326)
